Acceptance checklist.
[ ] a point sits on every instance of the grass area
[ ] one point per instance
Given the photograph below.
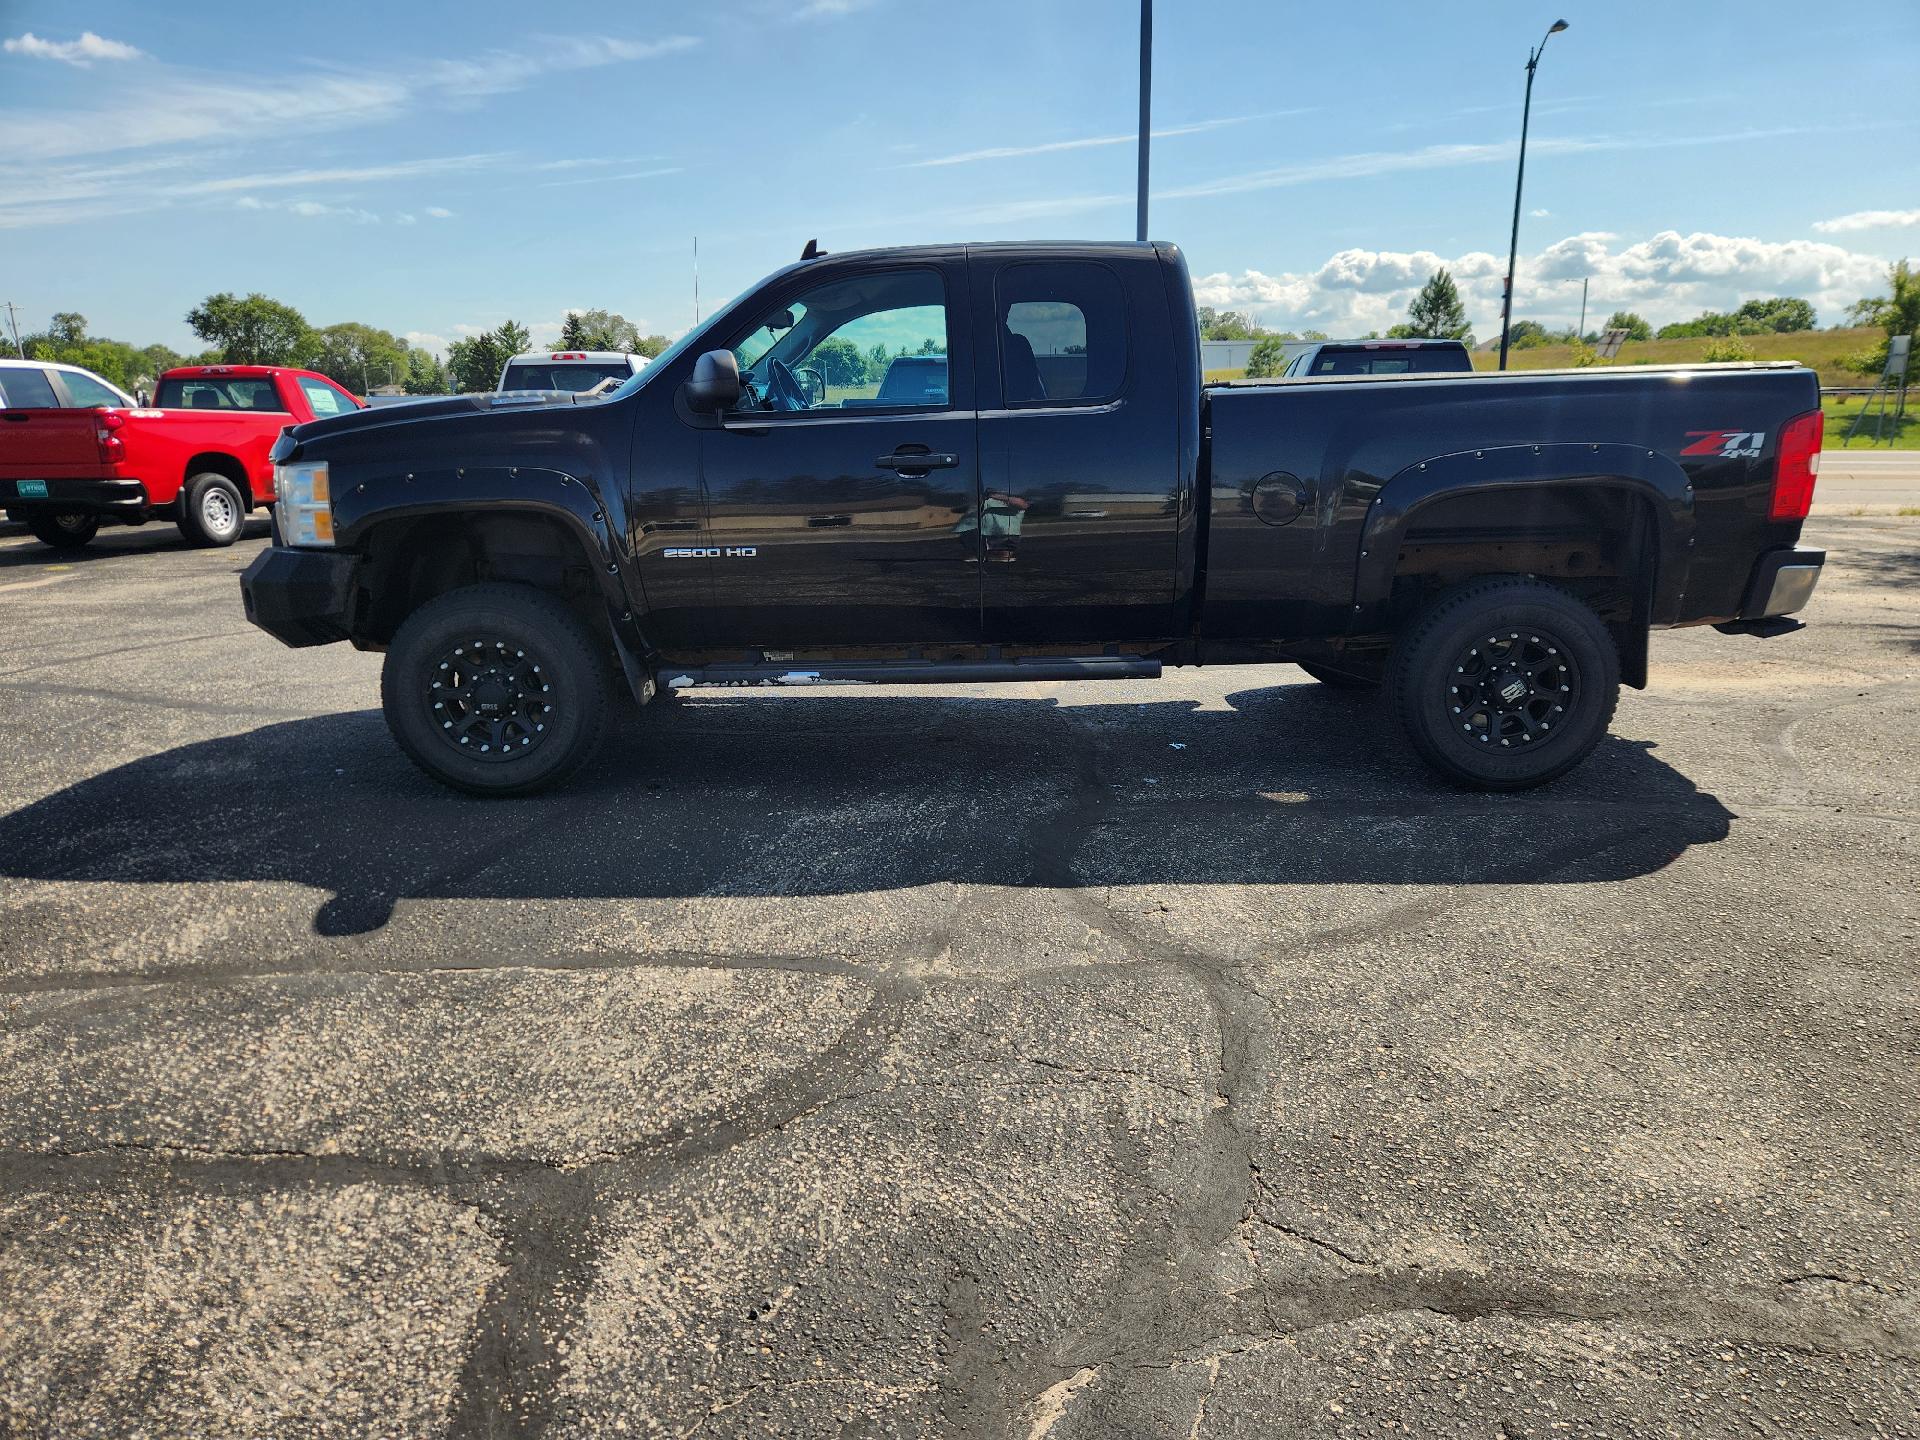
(1842, 409)
(1821, 350)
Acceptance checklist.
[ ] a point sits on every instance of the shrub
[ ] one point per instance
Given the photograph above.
(1730, 348)
(1269, 358)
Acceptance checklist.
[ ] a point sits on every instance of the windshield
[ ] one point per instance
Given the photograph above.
(575, 376)
(768, 335)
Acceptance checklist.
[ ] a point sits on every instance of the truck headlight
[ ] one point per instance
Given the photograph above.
(304, 505)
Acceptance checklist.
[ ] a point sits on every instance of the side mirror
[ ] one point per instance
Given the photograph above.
(715, 383)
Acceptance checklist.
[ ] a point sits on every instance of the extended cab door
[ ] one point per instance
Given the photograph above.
(839, 491)
(1079, 447)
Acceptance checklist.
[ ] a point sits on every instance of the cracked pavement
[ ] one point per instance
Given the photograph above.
(1129, 1059)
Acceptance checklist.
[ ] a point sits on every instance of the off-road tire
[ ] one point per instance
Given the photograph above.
(1457, 671)
(212, 510)
(547, 656)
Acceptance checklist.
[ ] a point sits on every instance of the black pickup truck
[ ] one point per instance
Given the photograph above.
(998, 462)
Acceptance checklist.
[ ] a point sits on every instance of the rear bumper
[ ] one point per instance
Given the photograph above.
(1782, 583)
(124, 498)
(301, 597)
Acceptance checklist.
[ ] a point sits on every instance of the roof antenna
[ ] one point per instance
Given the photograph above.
(813, 251)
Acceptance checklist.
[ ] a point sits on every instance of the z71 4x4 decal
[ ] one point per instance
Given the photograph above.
(1726, 444)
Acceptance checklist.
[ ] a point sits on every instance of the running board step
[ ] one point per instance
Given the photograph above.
(912, 672)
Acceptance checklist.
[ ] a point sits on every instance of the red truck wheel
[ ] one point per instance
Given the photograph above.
(64, 532)
(212, 512)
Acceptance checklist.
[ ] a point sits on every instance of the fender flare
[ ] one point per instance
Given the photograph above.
(470, 490)
(1647, 474)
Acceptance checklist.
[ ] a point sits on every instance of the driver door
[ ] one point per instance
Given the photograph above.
(843, 490)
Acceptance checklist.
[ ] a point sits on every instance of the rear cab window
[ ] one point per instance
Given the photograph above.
(27, 389)
(1414, 360)
(576, 375)
(251, 394)
(1063, 333)
(323, 399)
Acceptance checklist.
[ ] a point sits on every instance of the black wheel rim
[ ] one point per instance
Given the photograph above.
(491, 699)
(1511, 690)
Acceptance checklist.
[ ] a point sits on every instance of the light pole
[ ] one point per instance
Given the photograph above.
(1146, 112)
(1513, 246)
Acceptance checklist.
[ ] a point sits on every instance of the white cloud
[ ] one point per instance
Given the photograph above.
(1666, 277)
(610, 179)
(1539, 214)
(1051, 147)
(1868, 220)
(439, 212)
(310, 209)
(82, 52)
(426, 340)
(178, 107)
(405, 218)
(396, 170)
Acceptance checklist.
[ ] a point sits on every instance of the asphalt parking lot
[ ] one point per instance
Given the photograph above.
(1160, 1059)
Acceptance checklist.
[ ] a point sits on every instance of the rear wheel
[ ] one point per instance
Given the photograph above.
(1505, 683)
(64, 530)
(213, 512)
(495, 690)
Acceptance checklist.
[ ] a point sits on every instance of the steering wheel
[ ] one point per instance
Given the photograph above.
(783, 391)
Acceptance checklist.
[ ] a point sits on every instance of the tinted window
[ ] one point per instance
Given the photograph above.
(1422, 360)
(27, 390)
(861, 342)
(323, 399)
(576, 376)
(87, 392)
(1063, 333)
(217, 392)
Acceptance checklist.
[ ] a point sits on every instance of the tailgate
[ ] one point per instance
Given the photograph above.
(48, 444)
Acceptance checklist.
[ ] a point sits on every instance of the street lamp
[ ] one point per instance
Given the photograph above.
(1513, 247)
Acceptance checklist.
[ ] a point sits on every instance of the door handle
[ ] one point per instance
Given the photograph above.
(827, 522)
(907, 461)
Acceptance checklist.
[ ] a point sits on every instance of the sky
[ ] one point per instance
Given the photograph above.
(435, 169)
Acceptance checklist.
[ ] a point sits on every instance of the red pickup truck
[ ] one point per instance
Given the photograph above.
(197, 456)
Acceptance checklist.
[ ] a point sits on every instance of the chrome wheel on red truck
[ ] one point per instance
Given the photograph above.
(495, 690)
(1505, 683)
(212, 512)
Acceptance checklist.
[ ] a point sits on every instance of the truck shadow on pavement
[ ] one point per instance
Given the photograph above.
(114, 542)
(738, 793)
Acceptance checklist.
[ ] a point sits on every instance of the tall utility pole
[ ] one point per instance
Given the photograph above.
(1513, 246)
(13, 324)
(696, 279)
(1146, 111)
(1583, 305)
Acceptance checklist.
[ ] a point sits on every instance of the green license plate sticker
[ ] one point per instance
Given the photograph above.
(25, 488)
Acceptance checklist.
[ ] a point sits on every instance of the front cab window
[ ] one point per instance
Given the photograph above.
(862, 342)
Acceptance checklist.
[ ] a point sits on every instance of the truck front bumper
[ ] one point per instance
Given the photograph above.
(1782, 584)
(301, 597)
(119, 499)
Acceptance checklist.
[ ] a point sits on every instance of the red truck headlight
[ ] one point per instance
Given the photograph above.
(303, 503)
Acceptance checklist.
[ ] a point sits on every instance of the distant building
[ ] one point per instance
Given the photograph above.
(1234, 354)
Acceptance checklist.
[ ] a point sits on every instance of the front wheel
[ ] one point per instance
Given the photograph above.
(495, 690)
(64, 531)
(1506, 683)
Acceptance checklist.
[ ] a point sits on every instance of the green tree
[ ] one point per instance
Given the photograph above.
(1527, 335)
(1436, 312)
(1313, 335)
(68, 328)
(839, 362)
(475, 363)
(358, 357)
(513, 339)
(652, 345)
(1898, 313)
(1269, 357)
(253, 331)
(1729, 347)
(1636, 327)
(1782, 314)
(599, 330)
(425, 375)
(1228, 325)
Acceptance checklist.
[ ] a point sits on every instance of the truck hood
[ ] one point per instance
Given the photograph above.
(432, 408)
